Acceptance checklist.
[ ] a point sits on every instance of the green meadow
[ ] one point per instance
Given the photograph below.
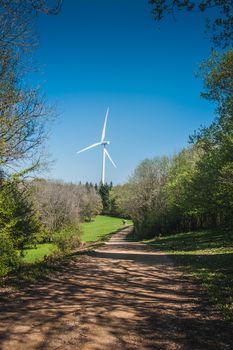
(97, 230)
(101, 228)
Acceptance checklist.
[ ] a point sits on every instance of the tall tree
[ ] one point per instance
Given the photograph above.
(148, 204)
(215, 167)
(120, 197)
(17, 218)
(23, 110)
(104, 192)
(23, 115)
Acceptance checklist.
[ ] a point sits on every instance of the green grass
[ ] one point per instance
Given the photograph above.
(208, 257)
(97, 230)
(37, 254)
(101, 228)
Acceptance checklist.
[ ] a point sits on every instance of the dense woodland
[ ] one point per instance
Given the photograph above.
(194, 188)
(190, 190)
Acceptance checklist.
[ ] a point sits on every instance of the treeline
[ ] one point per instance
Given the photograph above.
(194, 188)
(111, 196)
(62, 205)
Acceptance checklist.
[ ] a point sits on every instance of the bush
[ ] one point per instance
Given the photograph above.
(67, 240)
(9, 258)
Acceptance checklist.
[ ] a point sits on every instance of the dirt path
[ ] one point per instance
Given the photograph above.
(123, 296)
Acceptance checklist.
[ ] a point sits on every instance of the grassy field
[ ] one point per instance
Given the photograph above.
(208, 257)
(98, 229)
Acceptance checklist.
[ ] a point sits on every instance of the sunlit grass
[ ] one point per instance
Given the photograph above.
(38, 253)
(98, 229)
(101, 227)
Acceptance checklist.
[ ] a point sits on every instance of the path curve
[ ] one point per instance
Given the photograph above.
(122, 296)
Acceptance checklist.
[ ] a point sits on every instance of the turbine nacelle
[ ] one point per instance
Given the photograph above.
(105, 143)
(105, 152)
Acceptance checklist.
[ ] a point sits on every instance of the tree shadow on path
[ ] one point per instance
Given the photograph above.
(122, 296)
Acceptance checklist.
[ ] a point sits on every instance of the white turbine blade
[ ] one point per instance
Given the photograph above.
(110, 158)
(104, 128)
(92, 146)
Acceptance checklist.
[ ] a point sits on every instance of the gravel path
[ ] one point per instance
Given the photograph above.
(123, 296)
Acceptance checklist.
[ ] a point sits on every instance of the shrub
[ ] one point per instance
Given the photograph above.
(67, 239)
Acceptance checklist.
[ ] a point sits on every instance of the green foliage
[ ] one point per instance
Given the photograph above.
(67, 239)
(23, 116)
(217, 75)
(17, 218)
(119, 197)
(148, 204)
(104, 190)
(193, 189)
(9, 258)
(214, 170)
(18, 224)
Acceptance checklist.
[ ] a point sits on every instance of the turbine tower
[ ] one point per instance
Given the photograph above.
(103, 143)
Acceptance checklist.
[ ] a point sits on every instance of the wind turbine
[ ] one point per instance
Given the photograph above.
(103, 143)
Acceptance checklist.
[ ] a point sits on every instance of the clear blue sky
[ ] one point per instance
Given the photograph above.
(112, 53)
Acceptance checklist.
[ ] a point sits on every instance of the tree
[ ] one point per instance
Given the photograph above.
(215, 167)
(180, 214)
(23, 115)
(62, 206)
(91, 204)
(119, 198)
(104, 190)
(219, 21)
(148, 202)
(18, 221)
(58, 205)
(17, 18)
(194, 189)
(218, 82)
(23, 110)
(22, 120)
(9, 258)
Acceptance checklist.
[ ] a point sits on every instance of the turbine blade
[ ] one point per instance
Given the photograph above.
(108, 155)
(104, 128)
(92, 146)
